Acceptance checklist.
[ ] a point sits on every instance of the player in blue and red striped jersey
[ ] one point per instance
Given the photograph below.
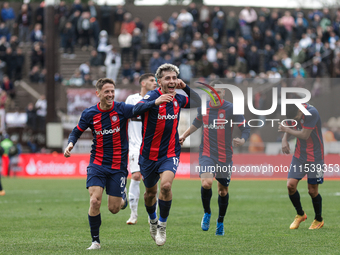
(308, 159)
(160, 149)
(108, 162)
(215, 154)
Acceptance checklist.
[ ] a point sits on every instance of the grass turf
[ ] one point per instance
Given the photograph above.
(44, 216)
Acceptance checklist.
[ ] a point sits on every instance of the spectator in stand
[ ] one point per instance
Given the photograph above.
(249, 15)
(31, 114)
(8, 16)
(153, 36)
(3, 101)
(4, 31)
(299, 55)
(136, 43)
(185, 71)
(34, 74)
(158, 21)
(316, 69)
(84, 69)
(278, 41)
(10, 62)
(84, 29)
(106, 13)
(68, 35)
(256, 144)
(125, 42)
(23, 22)
(91, 8)
(217, 25)
(2, 67)
(192, 9)
(164, 37)
(232, 24)
(253, 59)
(41, 106)
(118, 19)
(8, 86)
(127, 73)
(128, 24)
(74, 18)
(76, 79)
(37, 34)
(268, 54)
(155, 61)
(185, 20)
(95, 30)
(138, 69)
(172, 21)
(39, 14)
(76, 6)
(96, 59)
(139, 23)
(288, 22)
(13, 42)
(204, 67)
(211, 50)
(231, 56)
(112, 62)
(37, 57)
(3, 46)
(204, 20)
(305, 41)
(257, 37)
(299, 28)
(103, 45)
(298, 71)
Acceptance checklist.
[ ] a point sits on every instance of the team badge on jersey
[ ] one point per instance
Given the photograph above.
(146, 96)
(114, 118)
(221, 115)
(302, 121)
(175, 103)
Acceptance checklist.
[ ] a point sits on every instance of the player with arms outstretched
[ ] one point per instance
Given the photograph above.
(108, 162)
(160, 149)
(308, 159)
(216, 150)
(147, 82)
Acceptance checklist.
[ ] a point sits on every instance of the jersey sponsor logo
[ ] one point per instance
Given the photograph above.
(211, 126)
(108, 131)
(167, 117)
(114, 118)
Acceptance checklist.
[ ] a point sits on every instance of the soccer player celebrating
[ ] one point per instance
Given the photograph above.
(108, 161)
(216, 150)
(308, 159)
(148, 83)
(160, 149)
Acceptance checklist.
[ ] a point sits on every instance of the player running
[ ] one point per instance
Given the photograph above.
(308, 159)
(216, 150)
(160, 149)
(108, 161)
(147, 82)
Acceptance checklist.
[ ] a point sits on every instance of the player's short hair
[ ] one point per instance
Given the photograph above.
(214, 82)
(166, 68)
(145, 77)
(291, 111)
(102, 81)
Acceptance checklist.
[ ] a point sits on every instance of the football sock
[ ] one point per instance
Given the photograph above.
(295, 198)
(206, 197)
(317, 204)
(222, 205)
(95, 222)
(0, 184)
(134, 192)
(151, 211)
(164, 209)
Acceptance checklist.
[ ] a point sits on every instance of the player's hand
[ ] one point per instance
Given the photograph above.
(166, 98)
(283, 128)
(238, 141)
(285, 147)
(67, 152)
(180, 84)
(181, 140)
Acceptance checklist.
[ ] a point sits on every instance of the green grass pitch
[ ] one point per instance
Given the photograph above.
(44, 216)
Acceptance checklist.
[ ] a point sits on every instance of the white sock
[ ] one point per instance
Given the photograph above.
(134, 192)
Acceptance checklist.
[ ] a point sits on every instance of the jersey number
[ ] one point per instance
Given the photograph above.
(122, 182)
(175, 161)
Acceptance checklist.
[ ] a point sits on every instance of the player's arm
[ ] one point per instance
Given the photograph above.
(149, 101)
(303, 134)
(285, 144)
(196, 124)
(194, 99)
(75, 134)
(240, 121)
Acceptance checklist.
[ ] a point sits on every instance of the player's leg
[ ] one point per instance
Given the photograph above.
(164, 203)
(134, 190)
(315, 177)
(206, 194)
(223, 201)
(2, 192)
(94, 217)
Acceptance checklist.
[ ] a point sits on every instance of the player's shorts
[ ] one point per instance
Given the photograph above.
(150, 169)
(103, 177)
(314, 170)
(133, 162)
(222, 171)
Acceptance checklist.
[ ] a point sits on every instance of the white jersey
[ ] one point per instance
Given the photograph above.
(135, 126)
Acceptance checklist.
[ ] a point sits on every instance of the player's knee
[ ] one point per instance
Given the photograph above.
(114, 208)
(166, 187)
(150, 193)
(222, 192)
(206, 184)
(291, 188)
(136, 176)
(312, 192)
(95, 202)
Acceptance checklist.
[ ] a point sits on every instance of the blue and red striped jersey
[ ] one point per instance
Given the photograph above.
(217, 138)
(312, 149)
(110, 136)
(160, 123)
